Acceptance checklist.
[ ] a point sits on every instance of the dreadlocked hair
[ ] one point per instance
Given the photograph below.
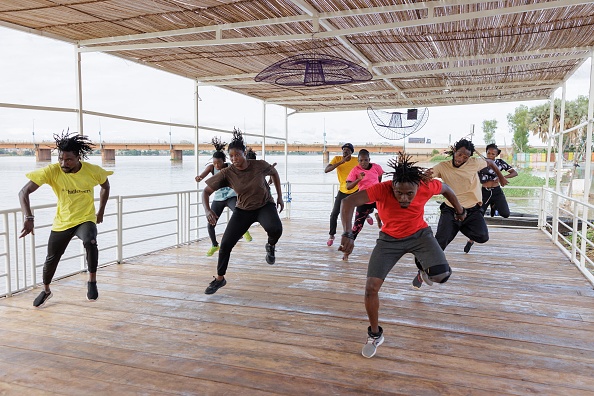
(219, 146)
(79, 145)
(406, 172)
(250, 153)
(467, 144)
(237, 142)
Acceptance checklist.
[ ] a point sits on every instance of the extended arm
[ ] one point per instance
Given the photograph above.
(347, 207)
(502, 180)
(103, 197)
(211, 217)
(279, 193)
(449, 194)
(208, 170)
(29, 223)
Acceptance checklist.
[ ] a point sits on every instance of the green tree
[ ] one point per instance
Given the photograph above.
(489, 128)
(519, 123)
(576, 112)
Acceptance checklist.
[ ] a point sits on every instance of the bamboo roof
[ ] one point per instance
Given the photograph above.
(420, 53)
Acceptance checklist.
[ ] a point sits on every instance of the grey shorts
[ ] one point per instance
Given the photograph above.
(389, 250)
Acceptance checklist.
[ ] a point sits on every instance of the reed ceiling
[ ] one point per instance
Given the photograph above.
(420, 53)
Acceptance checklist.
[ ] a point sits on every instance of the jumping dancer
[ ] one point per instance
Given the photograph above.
(401, 205)
(461, 174)
(343, 165)
(223, 197)
(254, 204)
(73, 182)
(492, 193)
(363, 176)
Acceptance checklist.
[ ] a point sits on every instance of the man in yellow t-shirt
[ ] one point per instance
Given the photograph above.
(73, 182)
(343, 165)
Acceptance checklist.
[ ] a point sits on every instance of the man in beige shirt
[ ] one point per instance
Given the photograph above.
(461, 174)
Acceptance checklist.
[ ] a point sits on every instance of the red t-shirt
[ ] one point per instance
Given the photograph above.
(399, 222)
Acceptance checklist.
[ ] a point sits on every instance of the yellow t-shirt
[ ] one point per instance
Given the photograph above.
(464, 180)
(75, 192)
(343, 172)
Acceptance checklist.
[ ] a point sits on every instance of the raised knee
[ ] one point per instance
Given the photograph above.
(439, 273)
(90, 244)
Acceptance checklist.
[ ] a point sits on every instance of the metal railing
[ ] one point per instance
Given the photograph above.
(142, 224)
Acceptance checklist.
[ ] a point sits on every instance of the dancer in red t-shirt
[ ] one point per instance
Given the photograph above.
(401, 206)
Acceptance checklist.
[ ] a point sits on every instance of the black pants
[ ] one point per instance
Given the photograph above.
(217, 207)
(336, 211)
(240, 222)
(58, 242)
(361, 214)
(473, 226)
(495, 198)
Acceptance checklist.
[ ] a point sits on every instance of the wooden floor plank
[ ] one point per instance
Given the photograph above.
(515, 318)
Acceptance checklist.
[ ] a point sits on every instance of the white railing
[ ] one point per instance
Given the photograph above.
(142, 224)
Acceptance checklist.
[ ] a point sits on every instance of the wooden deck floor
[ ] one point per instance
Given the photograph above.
(515, 318)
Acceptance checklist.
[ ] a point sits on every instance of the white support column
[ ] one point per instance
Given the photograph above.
(286, 148)
(556, 201)
(197, 153)
(542, 212)
(79, 101)
(588, 170)
(264, 130)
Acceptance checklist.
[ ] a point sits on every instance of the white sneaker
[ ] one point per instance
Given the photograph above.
(373, 342)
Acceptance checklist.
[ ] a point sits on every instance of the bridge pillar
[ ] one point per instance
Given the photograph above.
(326, 157)
(108, 154)
(43, 154)
(176, 155)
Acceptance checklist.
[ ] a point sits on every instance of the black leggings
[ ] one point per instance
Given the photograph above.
(336, 211)
(58, 242)
(240, 222)
(495, 198)
(473, 226)
(360, 216)
(217, 207)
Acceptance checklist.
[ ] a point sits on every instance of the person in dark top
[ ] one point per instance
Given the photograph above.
(491, 187)
(254, 204)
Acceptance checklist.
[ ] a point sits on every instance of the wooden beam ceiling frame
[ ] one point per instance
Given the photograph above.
(545, 84)
(323, 109)
(448, 59)
(431, 20)
(554, 52)
(36, 32)
(461, 95)
(307, 8)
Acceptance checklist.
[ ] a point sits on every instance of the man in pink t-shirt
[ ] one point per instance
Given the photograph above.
(363, 176)
(401, 206)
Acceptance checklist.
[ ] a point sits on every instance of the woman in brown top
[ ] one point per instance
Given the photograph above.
(254, 204)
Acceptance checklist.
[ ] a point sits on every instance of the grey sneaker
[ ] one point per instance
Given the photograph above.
(270, 259)
(215, 285)
(42, 299)
(373, 341)
(92, 292)
(417, 281)
(426, 279)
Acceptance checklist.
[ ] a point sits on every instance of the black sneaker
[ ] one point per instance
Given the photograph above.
(270, 254)
(468, 246)
(42, 299)
(215, 285)
(92, 292)
(417, 281)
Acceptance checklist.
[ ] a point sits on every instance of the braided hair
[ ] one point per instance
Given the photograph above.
(250, 153)
(219, 147)
(237, 142)
(79, 145)
(406, 172)
(467, 144)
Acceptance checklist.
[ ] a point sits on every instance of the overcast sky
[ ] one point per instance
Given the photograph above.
(40, 71)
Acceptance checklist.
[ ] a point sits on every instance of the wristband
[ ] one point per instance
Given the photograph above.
(32, 218)
(349, 234)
